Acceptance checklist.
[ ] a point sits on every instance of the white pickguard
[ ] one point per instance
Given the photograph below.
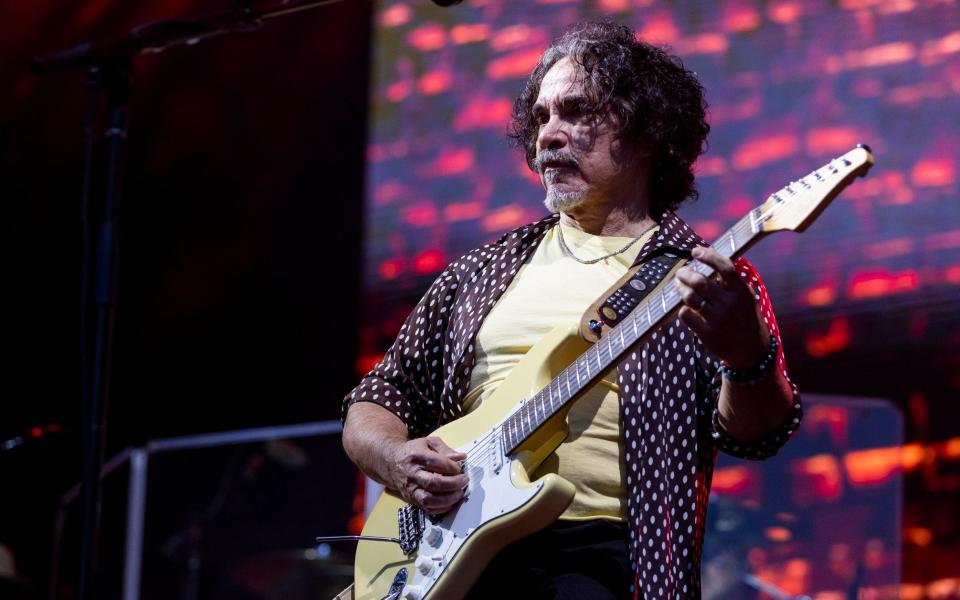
(490, 495)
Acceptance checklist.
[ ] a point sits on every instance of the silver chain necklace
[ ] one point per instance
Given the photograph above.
(563, 244)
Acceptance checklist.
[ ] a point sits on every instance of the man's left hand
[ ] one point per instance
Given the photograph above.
(722, 311)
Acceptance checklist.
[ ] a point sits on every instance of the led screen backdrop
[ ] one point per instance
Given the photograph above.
(868, 298)
(790, 83)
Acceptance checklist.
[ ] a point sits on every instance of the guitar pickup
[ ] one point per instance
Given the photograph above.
(497, 453)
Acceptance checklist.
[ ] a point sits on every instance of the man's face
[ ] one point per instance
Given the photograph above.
(579, 159)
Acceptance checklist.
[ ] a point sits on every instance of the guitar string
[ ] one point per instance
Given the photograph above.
(483, 450)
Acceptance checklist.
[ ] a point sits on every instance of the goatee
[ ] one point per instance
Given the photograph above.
(562, 201)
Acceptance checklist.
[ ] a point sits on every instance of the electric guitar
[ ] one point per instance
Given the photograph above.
(410, 555)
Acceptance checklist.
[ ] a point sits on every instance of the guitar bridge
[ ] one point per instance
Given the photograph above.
(411, 522)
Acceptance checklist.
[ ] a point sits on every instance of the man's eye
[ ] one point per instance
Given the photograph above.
(574, 110)
(580, 114)
(541, 119)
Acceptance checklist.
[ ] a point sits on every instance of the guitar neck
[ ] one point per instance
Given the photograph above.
(590, 366)
(793, 207)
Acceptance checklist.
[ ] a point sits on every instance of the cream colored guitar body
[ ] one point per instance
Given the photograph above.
(502, 503)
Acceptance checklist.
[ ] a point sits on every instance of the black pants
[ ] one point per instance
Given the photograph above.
(567, 560)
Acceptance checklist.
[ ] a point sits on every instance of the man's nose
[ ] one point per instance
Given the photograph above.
(552, 135)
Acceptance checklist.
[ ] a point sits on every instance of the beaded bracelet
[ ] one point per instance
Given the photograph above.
(756, 373)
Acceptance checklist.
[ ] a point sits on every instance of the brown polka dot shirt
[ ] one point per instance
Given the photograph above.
(669, 386)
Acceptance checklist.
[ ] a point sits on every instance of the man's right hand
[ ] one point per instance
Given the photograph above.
(426, 472)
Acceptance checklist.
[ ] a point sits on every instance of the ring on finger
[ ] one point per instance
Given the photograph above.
(703, 303)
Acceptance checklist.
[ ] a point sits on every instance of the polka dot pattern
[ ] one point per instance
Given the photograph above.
(668, 403)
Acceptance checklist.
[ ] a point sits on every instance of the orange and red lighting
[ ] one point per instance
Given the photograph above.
(835, 420)
(818, 477)
(708, 166)
(821, 294)
(429, 261)
(761, 150)
(483, 113)
(469, 33)
(832, 140)
(735, 480)
(877, 465)
(739, 17)
(450, 161)
(613, 6)
(705, 43)
(659, 28)
(835, 339)
(505, 218)
(435, 82)
(519, 36)
(398, 91)
(875, 284)
(462, 211)
(514, 65)
(390, 191)
(396, 15)
(428, 37)
(365, 363)
(391, 268)
(784, 12)
(420, 214)
(933, 172)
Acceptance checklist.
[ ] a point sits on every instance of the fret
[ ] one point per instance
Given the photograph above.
(735, 234)
(576, 364)
(526, 413)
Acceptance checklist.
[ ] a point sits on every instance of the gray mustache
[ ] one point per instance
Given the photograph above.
(554, 156)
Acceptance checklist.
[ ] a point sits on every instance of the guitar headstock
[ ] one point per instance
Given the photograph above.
(796, 205)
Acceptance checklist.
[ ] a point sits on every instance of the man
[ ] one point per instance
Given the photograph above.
(613, 127)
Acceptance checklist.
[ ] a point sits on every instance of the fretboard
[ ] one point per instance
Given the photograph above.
(590, 366)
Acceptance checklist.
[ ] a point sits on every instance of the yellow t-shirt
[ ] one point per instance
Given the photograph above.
(554, 289)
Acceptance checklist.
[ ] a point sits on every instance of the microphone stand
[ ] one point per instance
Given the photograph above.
(109, 67)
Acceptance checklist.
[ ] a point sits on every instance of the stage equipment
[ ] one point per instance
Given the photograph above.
(198, 541)
(110, 71)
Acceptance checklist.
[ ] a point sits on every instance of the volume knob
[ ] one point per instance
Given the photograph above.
(433, 535)
(425, 565)
(412, 592)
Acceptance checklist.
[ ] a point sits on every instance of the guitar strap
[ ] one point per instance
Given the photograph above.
(625, 295)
